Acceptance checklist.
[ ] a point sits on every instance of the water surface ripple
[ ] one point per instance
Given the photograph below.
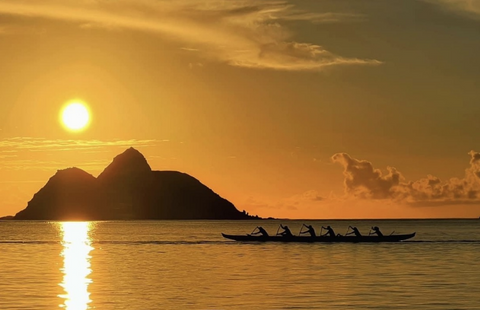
(188, 265)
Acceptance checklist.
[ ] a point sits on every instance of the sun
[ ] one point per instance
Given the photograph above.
(75, 116)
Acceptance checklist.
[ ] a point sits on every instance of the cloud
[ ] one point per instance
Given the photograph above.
(311, 195)
(295, 202)
(362, 180)
(240, 33)
(470, 8)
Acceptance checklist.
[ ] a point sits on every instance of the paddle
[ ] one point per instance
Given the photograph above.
(301, 228)
(277, 230)
(347, 233)
(252, 231)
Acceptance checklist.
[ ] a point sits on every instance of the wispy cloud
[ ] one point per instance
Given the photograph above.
(362, 180)
(22, 153)
(298, 201)
(241, 33)
(324, 18)
(469, 8)
(12, 145)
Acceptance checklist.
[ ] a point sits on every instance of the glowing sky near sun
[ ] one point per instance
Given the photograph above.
(324, 109)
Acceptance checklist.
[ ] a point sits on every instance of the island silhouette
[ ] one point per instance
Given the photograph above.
(128, 189)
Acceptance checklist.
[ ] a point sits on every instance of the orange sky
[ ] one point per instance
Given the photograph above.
(287, 109)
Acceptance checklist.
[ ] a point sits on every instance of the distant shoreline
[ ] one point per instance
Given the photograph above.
(11, 218)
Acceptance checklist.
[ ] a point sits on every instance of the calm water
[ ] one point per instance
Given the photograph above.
(187, 265)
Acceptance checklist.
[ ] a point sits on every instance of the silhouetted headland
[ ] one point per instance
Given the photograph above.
(127, 189)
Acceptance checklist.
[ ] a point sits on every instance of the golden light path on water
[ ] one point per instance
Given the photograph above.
(76, 265)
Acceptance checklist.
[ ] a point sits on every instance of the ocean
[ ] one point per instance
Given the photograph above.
(188, 265)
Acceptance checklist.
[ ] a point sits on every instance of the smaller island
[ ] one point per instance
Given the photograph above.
(8, 217)
(128, 189)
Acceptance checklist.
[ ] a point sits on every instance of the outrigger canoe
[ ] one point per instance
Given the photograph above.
(352, 239)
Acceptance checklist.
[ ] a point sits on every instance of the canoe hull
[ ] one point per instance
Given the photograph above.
(325, 239)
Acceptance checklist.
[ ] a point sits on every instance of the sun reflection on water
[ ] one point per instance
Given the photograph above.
(76, 265)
